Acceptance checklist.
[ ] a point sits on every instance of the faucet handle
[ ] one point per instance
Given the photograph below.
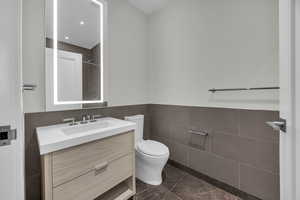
(85, 119)
(72, 120)
(95, 117)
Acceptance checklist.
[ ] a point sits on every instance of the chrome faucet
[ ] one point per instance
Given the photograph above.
(85, 119)
(72, 120)
(95, 117)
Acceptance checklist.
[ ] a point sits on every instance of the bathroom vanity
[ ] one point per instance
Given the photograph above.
(84, 161)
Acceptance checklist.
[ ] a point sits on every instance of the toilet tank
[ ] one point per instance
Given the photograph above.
(139, 120)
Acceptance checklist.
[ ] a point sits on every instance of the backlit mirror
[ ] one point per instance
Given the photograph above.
(74, 53)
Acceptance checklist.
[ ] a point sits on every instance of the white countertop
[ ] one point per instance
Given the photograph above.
(62, 136)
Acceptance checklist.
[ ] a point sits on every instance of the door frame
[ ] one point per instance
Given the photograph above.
(289, 57)
(20, 142)
(297, 94)
(13, 115)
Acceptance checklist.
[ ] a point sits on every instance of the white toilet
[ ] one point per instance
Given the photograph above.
(151, 156)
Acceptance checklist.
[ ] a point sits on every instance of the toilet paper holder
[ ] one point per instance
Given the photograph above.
(202, 133)
(203, 137)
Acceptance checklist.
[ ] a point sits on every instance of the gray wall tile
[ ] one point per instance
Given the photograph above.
(237, 137)
(215, 166)
(259, 183)
(179, 124)
(260, 154)
(240, 146)
(277, 161)
(201, 119)
(161, 119)
(200, 161)
(252, 124)
(179, 152)
(225, 120)
(267, 156)
(34, 191)
(163, 140)
(234, 147)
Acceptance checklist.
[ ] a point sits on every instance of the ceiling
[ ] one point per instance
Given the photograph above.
(70, 14)
(149, 6)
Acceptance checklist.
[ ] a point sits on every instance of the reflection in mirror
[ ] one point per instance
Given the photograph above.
(74, 53)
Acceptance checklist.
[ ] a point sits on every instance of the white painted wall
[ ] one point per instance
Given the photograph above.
(127, 56)
(176, 54)
(33, 37)
(149, 7)
(196, 45)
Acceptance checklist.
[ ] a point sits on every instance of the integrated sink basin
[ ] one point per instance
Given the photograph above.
(82, 129)
(62, 136)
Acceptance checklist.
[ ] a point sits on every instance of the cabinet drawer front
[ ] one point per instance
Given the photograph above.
(95, 183)
(73, 162)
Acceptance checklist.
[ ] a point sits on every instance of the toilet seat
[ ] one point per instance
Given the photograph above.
(152, 148)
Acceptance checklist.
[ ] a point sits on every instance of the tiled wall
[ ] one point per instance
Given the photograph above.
(33, 120)
(240, 149)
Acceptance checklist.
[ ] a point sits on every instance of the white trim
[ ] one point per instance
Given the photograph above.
(105, 72)
(55, 51)
(20, 143)
(297, 96)
(287, 99)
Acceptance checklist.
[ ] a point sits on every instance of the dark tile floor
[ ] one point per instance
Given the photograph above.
(179, 185)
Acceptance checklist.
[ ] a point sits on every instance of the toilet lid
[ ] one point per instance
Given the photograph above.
(152, 148)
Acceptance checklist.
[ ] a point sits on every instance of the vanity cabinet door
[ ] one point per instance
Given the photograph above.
(74, 162)
(89, 186)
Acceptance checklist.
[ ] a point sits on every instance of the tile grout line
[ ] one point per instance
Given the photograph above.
(223, 189)
(178, 182)
(177, 196)
(237, 161)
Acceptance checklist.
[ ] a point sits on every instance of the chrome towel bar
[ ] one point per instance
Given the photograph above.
(213, 90)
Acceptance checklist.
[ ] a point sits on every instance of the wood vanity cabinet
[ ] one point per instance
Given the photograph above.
(89, 170)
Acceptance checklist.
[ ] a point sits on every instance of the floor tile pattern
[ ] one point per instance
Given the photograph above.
(178, 185)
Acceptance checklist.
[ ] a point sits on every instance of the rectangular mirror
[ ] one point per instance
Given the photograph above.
(74, 53)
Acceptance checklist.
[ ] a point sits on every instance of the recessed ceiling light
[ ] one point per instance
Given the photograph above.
(81, 22)
(66, 37)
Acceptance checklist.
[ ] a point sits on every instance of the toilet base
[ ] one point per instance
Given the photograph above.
(149, 169)
(151, 183)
